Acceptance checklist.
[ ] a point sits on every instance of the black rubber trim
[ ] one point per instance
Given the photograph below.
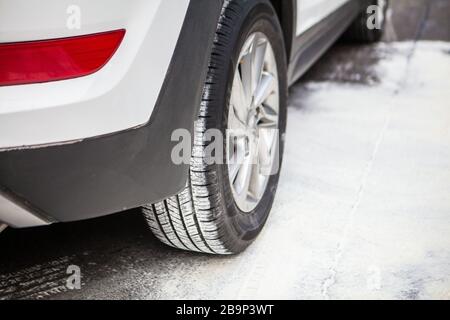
(107, 174)
(287, 13)
(313, 43)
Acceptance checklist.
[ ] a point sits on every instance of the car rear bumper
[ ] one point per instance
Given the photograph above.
(119, 96)
(109, 173)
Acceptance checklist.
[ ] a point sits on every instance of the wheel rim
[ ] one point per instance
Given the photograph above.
(253, 119)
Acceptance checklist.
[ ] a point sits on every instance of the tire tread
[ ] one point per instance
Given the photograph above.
(191, 220)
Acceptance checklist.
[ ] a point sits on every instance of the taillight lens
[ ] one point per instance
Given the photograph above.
(56, 59)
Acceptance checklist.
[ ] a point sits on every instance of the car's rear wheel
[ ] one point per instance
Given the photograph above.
(370, 24)
(225, 205)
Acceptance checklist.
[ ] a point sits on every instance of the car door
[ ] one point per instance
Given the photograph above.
(311, 12)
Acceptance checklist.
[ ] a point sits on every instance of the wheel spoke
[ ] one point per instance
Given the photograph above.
(256, 188)
(268, 118)
(252, 65)
(266, 150)
(259, 54)
(237, 153)
(234, 170)
(236, 126)
(265, 88)
(246, 74)
(239, 99)
(243, 178)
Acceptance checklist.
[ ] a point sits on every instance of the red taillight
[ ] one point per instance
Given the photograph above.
(57, 59)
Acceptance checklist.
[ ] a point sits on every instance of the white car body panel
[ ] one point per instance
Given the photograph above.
(120, 96)
(311, 12)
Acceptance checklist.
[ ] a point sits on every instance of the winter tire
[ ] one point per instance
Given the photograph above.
(224, 206)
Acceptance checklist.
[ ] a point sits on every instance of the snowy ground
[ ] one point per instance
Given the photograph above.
(362, 211)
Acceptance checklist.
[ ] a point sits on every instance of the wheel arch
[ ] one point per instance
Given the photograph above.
(287, 14)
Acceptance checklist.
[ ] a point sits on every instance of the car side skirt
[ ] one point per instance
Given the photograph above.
(309, 46)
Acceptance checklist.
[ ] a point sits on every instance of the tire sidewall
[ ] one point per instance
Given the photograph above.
(242, 228)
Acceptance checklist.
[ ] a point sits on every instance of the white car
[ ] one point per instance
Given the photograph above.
(93, 92)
